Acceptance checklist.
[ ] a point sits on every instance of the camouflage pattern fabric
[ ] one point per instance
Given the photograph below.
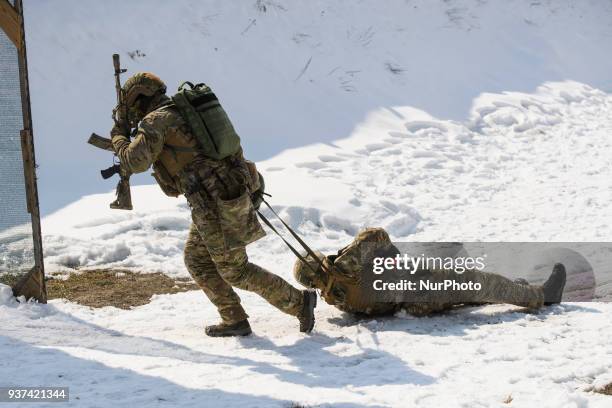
(149, 146)
(224, 220)
(494, 289)
(343, 289)
(216, 271)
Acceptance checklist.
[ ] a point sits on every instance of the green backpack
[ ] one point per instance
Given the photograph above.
(201, 109)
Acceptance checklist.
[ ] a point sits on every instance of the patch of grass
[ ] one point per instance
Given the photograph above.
(605, 390)
(10, 279)
(112, 287)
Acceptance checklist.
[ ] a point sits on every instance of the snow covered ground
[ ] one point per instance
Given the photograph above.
(157, 355)
(526, 165)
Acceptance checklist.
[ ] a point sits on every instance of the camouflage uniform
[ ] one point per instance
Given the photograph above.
(224, 220)
(343, 283)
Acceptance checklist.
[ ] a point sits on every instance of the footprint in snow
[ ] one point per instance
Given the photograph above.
(415, 126)
(372, 147)
(331, 158)
(424, 153)
(311, 165)
(434, 164)
(392, 141)
(398, 135)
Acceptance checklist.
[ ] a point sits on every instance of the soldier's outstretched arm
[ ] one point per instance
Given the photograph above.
(139, 154)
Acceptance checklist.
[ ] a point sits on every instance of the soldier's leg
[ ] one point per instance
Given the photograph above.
(235, 268)
(204, 271)
(493, 289)
(233, 265)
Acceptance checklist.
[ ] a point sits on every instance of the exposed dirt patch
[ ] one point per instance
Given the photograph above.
(113, 287)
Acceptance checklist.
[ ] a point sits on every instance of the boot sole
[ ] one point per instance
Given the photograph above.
(561, 289)
(312, 298)
(234, 334)
(212, 331)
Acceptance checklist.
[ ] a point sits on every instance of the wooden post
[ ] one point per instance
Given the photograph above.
(31, 285)
(10, 22)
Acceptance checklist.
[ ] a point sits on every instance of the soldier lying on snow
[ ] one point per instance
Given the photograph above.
(340, 279)
(194, 151)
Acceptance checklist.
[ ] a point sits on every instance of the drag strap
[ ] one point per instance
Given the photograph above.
(291, 247)
(298, 239)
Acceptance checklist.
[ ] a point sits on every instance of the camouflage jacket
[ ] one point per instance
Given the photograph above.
(344, 287)
(163, 140)
(350, 277)
(218, 191)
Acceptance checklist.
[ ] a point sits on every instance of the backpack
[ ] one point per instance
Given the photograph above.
(200, 108)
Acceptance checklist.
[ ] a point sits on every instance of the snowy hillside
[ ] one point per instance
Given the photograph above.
(294, 73)
(525, 167)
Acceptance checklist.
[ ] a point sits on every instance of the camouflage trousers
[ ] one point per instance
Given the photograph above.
(216, 272)
(494, 289)
(224, 222)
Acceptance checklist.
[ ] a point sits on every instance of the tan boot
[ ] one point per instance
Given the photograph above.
(242, 328)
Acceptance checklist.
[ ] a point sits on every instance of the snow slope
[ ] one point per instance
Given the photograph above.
(525, 167)
(292, 73)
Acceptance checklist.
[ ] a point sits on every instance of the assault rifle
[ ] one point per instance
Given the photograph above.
(124, 195)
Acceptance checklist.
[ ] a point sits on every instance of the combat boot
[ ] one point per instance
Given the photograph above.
(553, 287)
(242, 328)
(306, 316)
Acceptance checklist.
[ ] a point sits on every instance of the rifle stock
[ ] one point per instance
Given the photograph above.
(100, 142)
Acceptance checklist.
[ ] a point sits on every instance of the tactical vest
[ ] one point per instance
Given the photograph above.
(343, 288)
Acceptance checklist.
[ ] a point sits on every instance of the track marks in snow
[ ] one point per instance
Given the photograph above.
(429, 180)
(533, 146)
(420, 125)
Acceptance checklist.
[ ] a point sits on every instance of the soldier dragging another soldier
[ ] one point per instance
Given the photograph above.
(194, 151)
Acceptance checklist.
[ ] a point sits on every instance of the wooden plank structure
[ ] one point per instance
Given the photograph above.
(32, 285)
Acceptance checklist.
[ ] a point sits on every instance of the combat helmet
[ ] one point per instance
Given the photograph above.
(305, 272)
(138, 91)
